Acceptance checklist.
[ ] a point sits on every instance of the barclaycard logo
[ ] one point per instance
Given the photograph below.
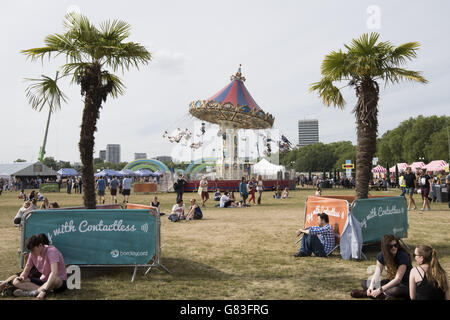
(144, 227)
(115, 253)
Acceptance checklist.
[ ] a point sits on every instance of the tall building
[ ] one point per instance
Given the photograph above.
(140, 156)
(164, 158)
(113, 153)
(102, 155)
(308, 132)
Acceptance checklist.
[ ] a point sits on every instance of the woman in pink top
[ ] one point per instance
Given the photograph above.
(49, 262)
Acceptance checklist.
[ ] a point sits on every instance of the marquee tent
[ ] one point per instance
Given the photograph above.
(416, 165)
(379, 169)
(266, 168)
(67, 172)
(26, 169)
(401, 167)
(127, 172)
(437, 165)
(108, 172)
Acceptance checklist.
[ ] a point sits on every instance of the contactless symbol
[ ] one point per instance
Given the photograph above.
(115, 253)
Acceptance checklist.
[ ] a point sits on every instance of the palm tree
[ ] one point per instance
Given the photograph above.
(88, 51)
(364, 64)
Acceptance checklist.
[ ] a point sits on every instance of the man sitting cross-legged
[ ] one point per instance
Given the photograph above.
(318, 240)
(49, 262)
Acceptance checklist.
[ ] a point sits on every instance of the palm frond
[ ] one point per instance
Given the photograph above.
(328, 92)
(395, 75)
(118, 88)
(45, 91)
(116, 30)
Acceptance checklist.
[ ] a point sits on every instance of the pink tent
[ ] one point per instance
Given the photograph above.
(416, 165)
(437, 165)
(379, 169)
(401, 167)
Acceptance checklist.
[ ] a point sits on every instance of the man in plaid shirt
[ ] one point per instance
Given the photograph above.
(318, 240)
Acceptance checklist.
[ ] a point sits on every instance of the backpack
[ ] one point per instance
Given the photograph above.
(175, 186)
(173, 217)
(8, 290)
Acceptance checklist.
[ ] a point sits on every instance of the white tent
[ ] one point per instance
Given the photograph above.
(265, 168)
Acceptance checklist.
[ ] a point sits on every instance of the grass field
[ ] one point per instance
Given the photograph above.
(232, 253)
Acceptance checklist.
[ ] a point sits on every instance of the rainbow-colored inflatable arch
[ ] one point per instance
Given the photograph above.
(150, 164)
(196, 166)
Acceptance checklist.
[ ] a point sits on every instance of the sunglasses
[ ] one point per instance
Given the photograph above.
(393, 246)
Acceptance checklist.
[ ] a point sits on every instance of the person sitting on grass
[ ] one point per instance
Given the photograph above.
(22, 195)
(285, 194)
(194, 211)
(45, 204)
(178, 209)
(54, 205)
(319, 240)
(6, 287)
(429, 280)
(32, 195)
(217, 195)
(49, 262)
(39, 196)
(27, 207)
(155, 203)
(227, 201)
(277, 194)
(318, 192)
(395, 258)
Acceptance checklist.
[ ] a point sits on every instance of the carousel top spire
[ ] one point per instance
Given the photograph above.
(238, 76)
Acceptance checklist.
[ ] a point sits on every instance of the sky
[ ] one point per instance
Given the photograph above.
(196, 46)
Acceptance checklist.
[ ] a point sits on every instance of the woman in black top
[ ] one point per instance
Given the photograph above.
(397, 261)
(429, 280)
(155, 203)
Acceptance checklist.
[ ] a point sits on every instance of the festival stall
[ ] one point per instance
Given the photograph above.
(436, 166)
(416, 165)
(401, 167)
(359, 221)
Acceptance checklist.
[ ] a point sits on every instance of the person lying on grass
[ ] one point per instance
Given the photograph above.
(319, 240)
(194, 211)
(49, 262)
(395, 258)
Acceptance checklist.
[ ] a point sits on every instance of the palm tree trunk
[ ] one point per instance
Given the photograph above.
(366, 112)
(92, 85)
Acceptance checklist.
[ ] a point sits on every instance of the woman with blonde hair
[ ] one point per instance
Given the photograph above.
(397, 261)
(45, 204)
(429, 280)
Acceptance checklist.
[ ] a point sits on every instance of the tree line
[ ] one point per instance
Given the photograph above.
(416, 139)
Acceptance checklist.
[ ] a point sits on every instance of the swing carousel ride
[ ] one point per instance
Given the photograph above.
(232, 108)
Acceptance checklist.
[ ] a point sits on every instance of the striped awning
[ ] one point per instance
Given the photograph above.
(416, 165)
(436, 165)
(379, 169)
(401, 167)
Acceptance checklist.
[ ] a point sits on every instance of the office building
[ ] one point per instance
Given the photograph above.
(102, 155)
(140, 156)
(308, 132)
(113, 153)
(164, 158)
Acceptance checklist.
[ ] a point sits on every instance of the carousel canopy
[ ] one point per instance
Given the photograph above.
(437, 165)
(233, 105)
(379, 169)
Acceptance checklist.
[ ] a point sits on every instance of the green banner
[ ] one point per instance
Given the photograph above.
(98, 237)
(48, 187)
(380, 216)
